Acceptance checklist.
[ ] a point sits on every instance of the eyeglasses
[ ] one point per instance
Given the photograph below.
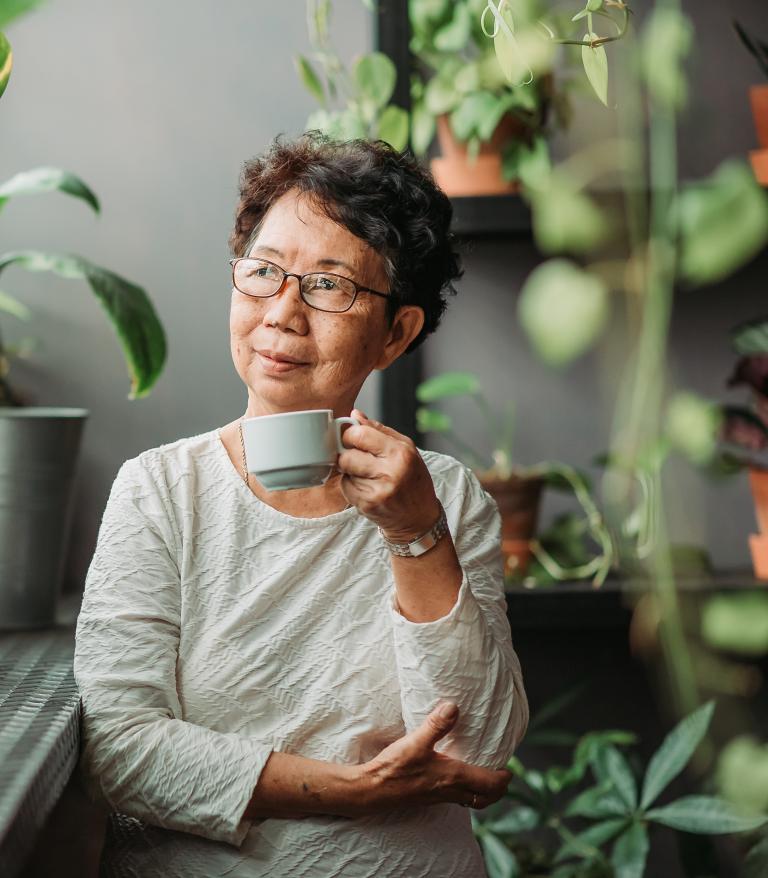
(320, 290)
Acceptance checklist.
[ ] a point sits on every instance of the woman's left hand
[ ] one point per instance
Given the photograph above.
(385, 477)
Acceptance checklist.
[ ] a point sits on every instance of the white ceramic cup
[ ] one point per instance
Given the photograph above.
(293, 449)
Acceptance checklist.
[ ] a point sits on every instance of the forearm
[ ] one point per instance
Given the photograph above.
(291, 785)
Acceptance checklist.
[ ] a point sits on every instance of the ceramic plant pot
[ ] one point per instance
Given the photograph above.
(758, 99)
(519, 500)
(758, 543)
(39, 448)
(458, 175)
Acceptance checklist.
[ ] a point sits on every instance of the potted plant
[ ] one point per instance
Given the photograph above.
(758, 98)
(744, 429)
(516, 489)
(39, 445)
(560, 822)
(460, 93)
(353, 103)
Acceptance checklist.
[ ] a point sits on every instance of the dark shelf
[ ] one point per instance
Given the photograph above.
(490, 216)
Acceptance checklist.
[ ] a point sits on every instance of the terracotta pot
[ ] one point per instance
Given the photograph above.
(758, 543)
(759, 160)
(457, 175)
(758, 98)
(518, 499)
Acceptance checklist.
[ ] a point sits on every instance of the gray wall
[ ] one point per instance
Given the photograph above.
(157, 106)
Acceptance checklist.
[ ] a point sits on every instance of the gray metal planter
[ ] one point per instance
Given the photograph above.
(38, 457)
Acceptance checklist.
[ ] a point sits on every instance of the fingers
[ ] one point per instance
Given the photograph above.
(437, 724)
(358, 463)
(488, 785)
(382, 428)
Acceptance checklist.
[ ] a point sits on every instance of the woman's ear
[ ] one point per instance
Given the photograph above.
(406, 325)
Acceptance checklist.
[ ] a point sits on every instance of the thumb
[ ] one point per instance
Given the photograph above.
(437, 724)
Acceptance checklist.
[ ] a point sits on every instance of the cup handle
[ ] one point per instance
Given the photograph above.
(338, 423)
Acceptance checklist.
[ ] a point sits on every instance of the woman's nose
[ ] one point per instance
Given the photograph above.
(286, 308)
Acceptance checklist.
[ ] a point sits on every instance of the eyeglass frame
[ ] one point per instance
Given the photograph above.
(359, 288)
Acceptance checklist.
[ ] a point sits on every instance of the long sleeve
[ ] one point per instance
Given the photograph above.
(467, 656)
(139, 754)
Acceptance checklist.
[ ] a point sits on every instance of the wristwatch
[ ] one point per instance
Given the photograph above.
(423, 543)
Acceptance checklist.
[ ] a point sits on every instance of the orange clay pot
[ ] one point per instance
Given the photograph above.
(759, 160)
(758, 98)
(518, 499)
(457, 175)
(758, 543)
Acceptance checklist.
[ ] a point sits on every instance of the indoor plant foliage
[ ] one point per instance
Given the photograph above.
(353, 103)
(458, 91)
(592, 818)
(516, 489)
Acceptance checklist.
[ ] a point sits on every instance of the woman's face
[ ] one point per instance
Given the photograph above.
(337, 351)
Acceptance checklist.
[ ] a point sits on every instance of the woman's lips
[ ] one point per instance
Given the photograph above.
(275, 367)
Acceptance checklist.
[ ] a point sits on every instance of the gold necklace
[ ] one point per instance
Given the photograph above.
(245, 462)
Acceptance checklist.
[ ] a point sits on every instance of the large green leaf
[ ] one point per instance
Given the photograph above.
(723, 223)
(128, 307)
(310, 79)
(499, 859)
(47, 180)
(675, 751)
(519, 819)
(474, 115)
(11, 9)
(393, 127)
(564, 219)
(667, 38)
(610, 764)
(692, 426)
(441, 95)
(630, 852)
(422, 128)
(447, 384)
(742, 773)
(737, 623)
(750, 337)
(454, 35)
(6, 62)
(592, 837)
(432, 421)
(595, 63)
(375, 76)
(597, 803)
(707, 815)
(563, 310)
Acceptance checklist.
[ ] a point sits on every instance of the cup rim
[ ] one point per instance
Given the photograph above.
(286, 414)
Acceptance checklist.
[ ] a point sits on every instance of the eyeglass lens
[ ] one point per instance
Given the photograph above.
(327, 292)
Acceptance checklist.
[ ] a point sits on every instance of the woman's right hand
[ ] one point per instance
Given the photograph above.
(411, 771)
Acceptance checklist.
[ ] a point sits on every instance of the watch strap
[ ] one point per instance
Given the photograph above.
(421, 544)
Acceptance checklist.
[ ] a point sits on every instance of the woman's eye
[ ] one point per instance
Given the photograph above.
(324, 283)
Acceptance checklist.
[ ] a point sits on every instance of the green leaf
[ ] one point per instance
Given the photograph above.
(706, 815)
(594, 5)
(447, 384)
(14, 307)
(723, 223)
(46, 180)
(595, 63)
(516, 820)
(591, 838)
(564, 219)
(630, 852)
(528, 163)
(310, 79)
(675, 751)
(750, 337)
(563, 310)
(375, 76)
(666, 40)
(737, 623)
(472, 115)
(582, 13)
(742, 773)
(6, 62)
(128, 307)
(11, 9)
(393, 127)
(432, 421)
(422, 129)
(499, 859)
(455, 35)
(597, 803)
(692, 426)
(440, 96)
(610, 764)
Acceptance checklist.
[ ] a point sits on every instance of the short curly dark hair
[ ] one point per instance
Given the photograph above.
(384, 197)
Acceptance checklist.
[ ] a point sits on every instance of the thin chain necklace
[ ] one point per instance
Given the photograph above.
(245, 462)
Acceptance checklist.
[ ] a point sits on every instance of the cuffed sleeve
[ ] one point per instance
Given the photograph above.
(467, 656)
(139, 755)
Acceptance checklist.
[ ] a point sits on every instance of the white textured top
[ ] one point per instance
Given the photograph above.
(215, 629)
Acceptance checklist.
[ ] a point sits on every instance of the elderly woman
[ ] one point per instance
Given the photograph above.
(270, 686)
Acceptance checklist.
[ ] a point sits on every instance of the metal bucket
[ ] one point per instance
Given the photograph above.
(38, 457)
